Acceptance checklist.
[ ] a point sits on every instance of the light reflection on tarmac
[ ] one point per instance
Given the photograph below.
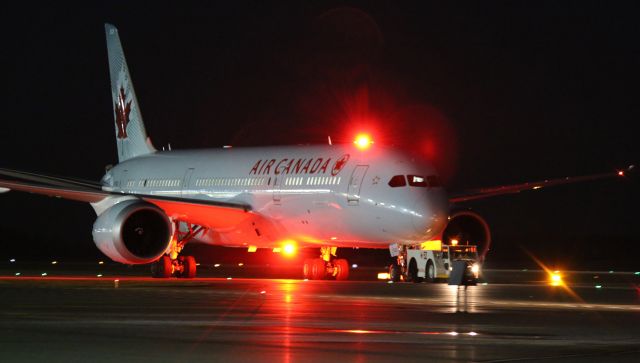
(216, 319)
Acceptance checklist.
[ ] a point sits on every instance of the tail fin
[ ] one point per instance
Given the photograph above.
(131, 136)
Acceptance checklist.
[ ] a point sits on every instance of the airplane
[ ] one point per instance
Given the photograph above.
(152, 203)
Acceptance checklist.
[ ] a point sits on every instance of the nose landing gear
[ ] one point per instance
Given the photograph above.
(326, 266)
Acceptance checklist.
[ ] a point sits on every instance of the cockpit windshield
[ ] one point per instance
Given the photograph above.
(417, 181)
(431, 181)
(397, 181)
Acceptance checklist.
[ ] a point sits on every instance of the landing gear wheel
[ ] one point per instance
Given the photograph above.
(188, 267)
(306, 268)
(318, 269)
(394, 271)
(342, 267)
(162, 268)
(413, 272)
(430, 272)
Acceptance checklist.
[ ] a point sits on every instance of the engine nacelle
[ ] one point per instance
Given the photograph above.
(133, 232)
(470, 228)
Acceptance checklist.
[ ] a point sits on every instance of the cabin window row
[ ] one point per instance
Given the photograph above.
(312, 180)
(230, 182)
(154, 183)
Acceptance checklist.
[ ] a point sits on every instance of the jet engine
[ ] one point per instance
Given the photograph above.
(468, 228)
(133, 232)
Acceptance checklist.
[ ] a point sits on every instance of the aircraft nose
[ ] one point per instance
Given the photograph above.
(420, 216)
(429, 216)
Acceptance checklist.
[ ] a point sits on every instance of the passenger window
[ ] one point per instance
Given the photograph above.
(434, 181)
(397, 181)
(417, 181)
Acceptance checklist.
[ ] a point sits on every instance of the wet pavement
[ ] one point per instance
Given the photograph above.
(129, 318)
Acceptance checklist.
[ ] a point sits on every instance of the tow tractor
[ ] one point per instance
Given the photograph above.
(432, 261)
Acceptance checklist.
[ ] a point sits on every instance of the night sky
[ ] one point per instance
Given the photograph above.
(493, 92)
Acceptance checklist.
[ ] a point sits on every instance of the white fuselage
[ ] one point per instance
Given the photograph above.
(314, 195)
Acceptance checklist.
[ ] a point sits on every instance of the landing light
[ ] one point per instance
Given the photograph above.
(363, 141)
(289, 249)
(454, 242)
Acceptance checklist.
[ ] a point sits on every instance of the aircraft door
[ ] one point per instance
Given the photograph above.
(186, 182)
(355, 183)
(277, 192)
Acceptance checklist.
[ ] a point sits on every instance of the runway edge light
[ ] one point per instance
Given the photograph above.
(383, 276)
(556, 278)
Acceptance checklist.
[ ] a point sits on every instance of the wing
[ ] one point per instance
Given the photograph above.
(516, 188)
(212, 214)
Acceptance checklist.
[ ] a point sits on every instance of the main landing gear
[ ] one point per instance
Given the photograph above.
(326, 266)
(183, 266)
(174, 265)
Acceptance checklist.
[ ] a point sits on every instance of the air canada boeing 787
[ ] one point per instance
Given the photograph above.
(153, 202)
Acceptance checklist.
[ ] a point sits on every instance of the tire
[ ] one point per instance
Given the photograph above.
(306, 268)
(394, 271)
(430, 272)
(188, 267)
(318, 269)
(162, 268)
(343, 269)
(413, 272)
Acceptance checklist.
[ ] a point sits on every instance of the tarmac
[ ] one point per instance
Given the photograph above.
(71, 314)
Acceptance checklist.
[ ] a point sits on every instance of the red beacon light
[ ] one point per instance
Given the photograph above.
(363, 141)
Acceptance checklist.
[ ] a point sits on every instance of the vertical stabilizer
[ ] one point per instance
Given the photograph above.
(131, 136)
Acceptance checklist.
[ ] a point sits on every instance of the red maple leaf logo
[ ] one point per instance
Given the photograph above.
(340, 163)
(122, 114)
